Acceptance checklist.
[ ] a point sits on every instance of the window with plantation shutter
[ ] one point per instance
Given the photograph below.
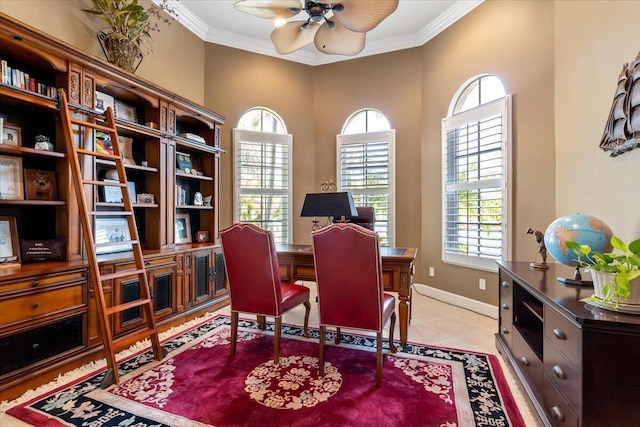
(262, 179)
(476, 188)
(366, 169)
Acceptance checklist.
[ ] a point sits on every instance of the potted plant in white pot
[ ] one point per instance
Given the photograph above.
(613, 273)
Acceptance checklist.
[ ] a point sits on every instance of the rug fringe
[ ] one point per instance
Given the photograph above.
(95, 365)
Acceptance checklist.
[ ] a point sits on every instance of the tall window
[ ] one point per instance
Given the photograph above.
(262, 173)
(366, 155)
(476, 155)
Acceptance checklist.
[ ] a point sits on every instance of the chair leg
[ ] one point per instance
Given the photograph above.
(392, 327)
(379, 359)
(338, 336)
(234, 331)
(276, 344)
(323, 330)
(307, 306)
(262, 323)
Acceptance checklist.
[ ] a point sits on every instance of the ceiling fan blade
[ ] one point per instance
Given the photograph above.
(363, 15)
(291, 37)
(269, 9)
(339, 40)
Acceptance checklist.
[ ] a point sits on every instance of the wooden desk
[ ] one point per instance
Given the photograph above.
(296, 263)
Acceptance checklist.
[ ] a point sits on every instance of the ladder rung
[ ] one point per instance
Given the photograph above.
(126, 306)
(124, 242)
(104, 183)
(97, 154)
(110, 213)
(95, 126)
(134, 337)
(120, 274)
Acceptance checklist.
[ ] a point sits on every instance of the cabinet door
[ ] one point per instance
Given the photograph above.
(202, 276)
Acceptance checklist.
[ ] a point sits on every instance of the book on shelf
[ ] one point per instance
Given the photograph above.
(193, 137)
(18, 78)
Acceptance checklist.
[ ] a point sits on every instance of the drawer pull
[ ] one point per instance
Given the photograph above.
(34, 283)
(35, 346)
(505, 306)
(524, 361)
(559, 372)
(505, 331)
(559, 334)
(557, 414)
(505, 284)
(35, 305)
(147, 264)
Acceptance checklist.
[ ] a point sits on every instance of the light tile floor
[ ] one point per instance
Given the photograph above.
(433, 322)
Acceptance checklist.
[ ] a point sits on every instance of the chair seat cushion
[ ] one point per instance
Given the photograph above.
(388, 306)
(293, 295)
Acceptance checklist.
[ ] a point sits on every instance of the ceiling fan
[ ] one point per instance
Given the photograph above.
(337, 27)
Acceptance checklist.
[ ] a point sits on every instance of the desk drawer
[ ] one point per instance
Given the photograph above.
(37, 304)
(565, 335)
(527, 362)
(41, 282)
(556, 407)
(566, 378)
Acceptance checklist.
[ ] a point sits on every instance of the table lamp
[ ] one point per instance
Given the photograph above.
(329, 205)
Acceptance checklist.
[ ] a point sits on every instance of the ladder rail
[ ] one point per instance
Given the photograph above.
(73, 154)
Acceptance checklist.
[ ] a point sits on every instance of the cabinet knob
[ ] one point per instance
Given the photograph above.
(557, 414)
(505, 306)
(559, 334)
(505, 284)
(524, 361)
(35, 346)
(505, 330)
(35, 305)
(34, 283)
(147, 264)
(559, 372)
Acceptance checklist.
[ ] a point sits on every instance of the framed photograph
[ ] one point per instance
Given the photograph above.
(183, 162)
(41, 185)
(11, 134)
(111, 231)
(9, 249)
(183, 229)
(113, 194)
(104, 101)
(125, 112)
(202, 236)
(11, 187)
(126, 150)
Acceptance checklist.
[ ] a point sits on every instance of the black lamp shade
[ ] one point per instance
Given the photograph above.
(329, 204)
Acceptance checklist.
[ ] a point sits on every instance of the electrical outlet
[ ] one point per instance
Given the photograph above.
(432, 271)
(483, 284)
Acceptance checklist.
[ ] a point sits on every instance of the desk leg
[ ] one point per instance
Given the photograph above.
(404, 319)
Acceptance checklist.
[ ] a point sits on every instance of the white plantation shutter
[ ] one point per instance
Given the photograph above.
(476, 165)
(366, 169)
(263, 181)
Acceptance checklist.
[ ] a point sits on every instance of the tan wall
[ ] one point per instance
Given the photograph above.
(513, 40)
(176, 62)
(593, 40)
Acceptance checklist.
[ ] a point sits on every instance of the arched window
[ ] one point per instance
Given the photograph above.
(476, 155)
(366, 157)
(262, 172)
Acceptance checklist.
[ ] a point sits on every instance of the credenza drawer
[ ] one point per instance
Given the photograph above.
(37, 304)
(556, 407)
(563, 374)
(527, 362)
(565, 335)
(42, 282)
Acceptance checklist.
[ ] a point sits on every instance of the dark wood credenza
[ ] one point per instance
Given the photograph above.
(577, 363)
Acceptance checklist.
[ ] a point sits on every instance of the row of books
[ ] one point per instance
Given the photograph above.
(20, 79)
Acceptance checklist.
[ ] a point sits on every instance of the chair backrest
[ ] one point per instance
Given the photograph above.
(366, 217)
(252, 269)
(349, 276)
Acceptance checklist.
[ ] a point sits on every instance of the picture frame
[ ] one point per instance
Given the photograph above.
(104, 101)
(182, 228)
(183, 163)
(113, 231)
(9, 242)
(202, 236)
(11, 185)
(11, 134)
(126, 149)
(40, 184)
(113, 194)
(125, 112)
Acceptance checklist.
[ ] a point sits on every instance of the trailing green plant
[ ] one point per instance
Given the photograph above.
(128, 19)
(625, 264)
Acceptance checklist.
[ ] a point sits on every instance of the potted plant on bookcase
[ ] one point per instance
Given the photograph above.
(130, 26)
(616, 275)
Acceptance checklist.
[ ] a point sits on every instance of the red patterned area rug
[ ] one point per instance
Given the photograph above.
(199, 384)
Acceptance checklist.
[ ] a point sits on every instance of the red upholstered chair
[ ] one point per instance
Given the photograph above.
(254, 281)
(349, 279)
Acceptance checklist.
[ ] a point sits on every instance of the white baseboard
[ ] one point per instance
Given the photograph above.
(457, 300)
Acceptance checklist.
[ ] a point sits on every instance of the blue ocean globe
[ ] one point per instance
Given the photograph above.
(580, 228)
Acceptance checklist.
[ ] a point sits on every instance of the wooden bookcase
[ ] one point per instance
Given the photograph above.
(155, 125)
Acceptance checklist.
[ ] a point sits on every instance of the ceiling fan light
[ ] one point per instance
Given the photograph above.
(305, 25)
(337, 7)
(316, 18)
(330, 24)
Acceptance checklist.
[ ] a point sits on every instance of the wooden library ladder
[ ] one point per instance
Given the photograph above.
(98, 122)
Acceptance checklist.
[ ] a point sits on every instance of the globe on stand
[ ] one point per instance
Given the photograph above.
(583, 230)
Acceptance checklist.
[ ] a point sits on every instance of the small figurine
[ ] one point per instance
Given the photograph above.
(542, 250)
(43, 142)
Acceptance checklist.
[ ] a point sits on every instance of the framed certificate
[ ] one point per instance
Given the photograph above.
(9, 249)
(125, 112)
(113, 231)
(11, 187)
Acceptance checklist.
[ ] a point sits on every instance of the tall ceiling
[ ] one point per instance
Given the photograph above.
(412, 24)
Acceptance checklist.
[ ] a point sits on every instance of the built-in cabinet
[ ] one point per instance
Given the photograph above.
(577, 363)
(48, 312)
